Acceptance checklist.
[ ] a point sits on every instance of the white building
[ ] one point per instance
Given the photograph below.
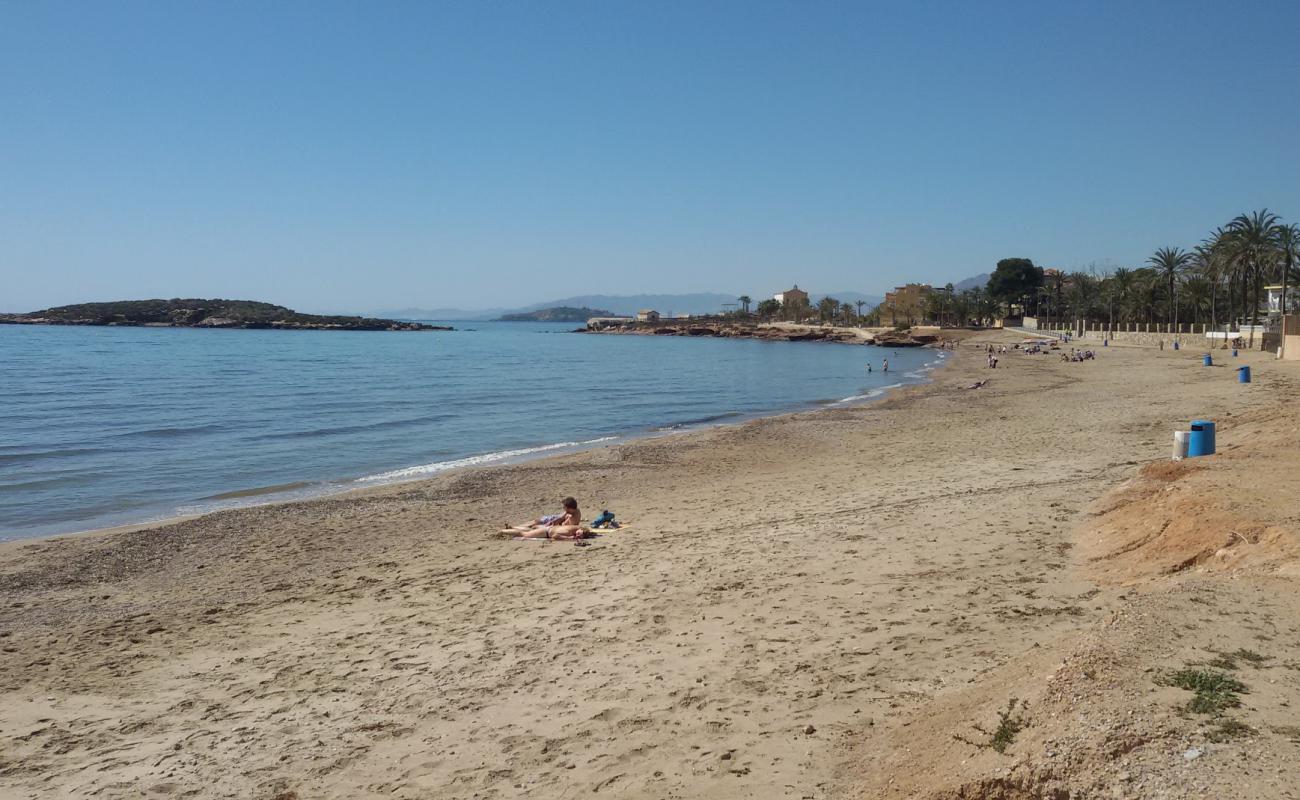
(792, 297)
(1274, 302)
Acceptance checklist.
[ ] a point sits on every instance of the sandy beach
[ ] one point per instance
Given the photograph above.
(827, 604)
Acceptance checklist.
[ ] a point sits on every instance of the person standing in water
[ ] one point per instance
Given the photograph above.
(868, 367)
(885, 366)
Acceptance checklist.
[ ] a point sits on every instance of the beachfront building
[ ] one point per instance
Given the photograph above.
(647, 315)
(907, 303)
(792, 298)
(794, 303)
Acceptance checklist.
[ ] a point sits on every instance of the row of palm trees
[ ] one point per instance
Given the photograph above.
(828, 309)
(1220, 281)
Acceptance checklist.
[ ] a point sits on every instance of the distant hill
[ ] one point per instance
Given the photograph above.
(976, 282)
(618, 305)
(628, 305)
(197, 313)
(456, 314)
(557, 314)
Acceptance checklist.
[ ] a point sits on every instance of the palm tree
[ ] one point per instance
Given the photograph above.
(1197, 290)
(827, 307)
(1123, 279)
(1255, 235)
(744, 301)
(1169, 262)
(859, 304)
(1288, 245)
(1209, 263)
(1083, 288)
(769, 308)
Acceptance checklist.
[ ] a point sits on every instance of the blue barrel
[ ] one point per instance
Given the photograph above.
(1234, 352)
(1175, 345)
(1243, 374)
(1105, 342)
(1207, 361)
(1200, 442)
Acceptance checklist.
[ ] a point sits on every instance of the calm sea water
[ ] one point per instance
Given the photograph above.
(108, 426)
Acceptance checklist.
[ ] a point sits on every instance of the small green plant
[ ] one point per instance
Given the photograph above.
(1213, 691)
(1008, 726)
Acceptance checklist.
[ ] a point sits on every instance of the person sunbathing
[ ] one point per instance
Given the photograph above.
(567, 526)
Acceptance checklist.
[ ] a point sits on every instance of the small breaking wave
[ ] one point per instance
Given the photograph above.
(472, 461)
(690, 423)
(871, 395)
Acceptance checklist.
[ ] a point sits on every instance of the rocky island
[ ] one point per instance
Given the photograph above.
(195, 313)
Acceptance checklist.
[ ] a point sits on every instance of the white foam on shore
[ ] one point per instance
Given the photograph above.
(422, 470)
(874, 393)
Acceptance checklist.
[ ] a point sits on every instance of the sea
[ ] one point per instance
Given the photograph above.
(107, 426)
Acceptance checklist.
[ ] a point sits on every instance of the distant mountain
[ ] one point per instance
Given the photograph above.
(557, 314)
(458, 314)
(977, 282)
(628, 305)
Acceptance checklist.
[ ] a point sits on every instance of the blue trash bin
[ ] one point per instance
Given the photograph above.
(1243, 374)
(1175, 345)
(1105, 342)
(1207, 361)
(1200, 442)
(1234, 352)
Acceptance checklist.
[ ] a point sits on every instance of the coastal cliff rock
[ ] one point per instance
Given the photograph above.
(730, 329)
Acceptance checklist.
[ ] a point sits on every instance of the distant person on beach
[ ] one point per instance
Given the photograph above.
(567, 525)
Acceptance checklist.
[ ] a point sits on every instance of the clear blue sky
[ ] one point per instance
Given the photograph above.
(358, 156)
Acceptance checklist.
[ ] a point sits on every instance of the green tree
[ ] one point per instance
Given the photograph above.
(827, 308)
(1288, 245)
(1170, 262)
(1122, 283)
(1196, 292)
(769, 308)
(1014, 281)
(1255, 237)
(744, 301)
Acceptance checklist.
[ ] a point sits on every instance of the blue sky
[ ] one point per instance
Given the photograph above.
(356, 156)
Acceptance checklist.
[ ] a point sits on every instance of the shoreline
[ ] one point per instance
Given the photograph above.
(805, 604)
(308, 491)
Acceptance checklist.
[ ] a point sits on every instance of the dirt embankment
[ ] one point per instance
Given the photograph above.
(1189, 686)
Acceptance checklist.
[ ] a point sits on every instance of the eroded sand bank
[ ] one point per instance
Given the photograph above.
(815, 605)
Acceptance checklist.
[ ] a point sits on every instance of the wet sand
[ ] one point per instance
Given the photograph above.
(806, 606)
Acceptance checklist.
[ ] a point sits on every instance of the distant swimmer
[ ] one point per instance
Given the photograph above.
(868, 367)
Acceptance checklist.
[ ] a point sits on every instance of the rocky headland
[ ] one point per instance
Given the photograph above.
(777, 332)
(196, 313)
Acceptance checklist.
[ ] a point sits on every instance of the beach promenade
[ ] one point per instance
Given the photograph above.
(828, 604)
